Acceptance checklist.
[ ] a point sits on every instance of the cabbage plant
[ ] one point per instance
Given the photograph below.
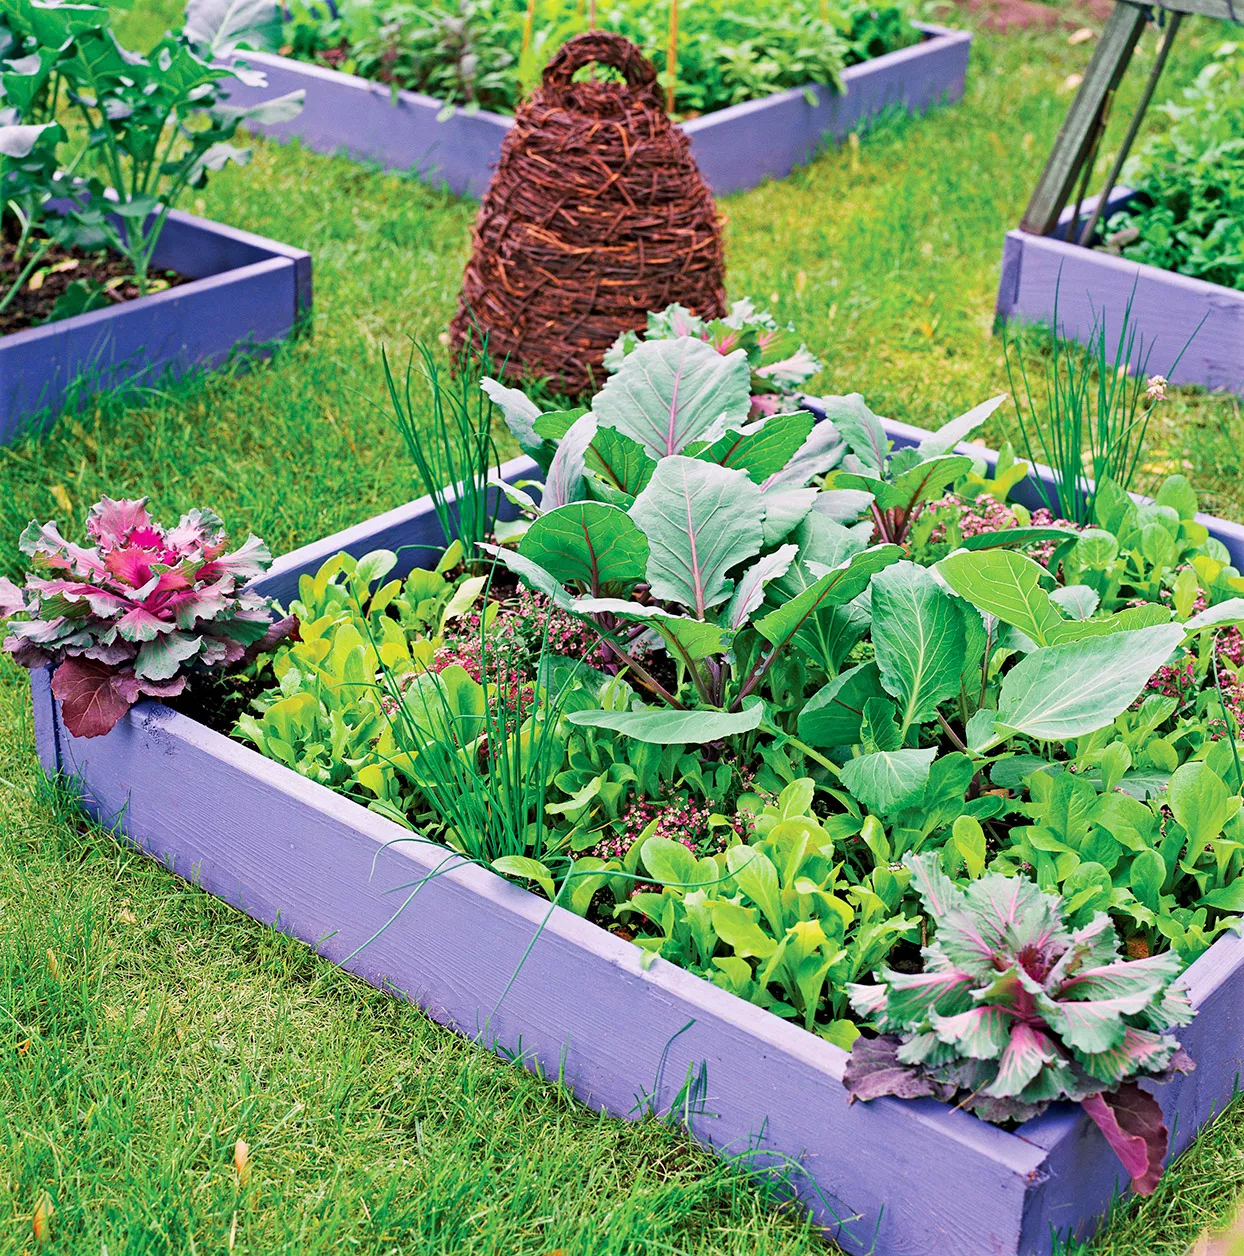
(136, 612)
(1014, 1010)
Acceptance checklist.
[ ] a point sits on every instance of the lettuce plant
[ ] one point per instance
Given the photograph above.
(1016, 1010)
(136, 612)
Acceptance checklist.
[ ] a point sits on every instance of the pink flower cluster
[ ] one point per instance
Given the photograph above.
(679, 818)
(985, 515)
(511, 644)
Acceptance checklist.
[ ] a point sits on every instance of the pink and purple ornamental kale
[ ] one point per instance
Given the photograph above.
(132, 614)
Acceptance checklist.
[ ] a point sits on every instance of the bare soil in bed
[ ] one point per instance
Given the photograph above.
(59, 268)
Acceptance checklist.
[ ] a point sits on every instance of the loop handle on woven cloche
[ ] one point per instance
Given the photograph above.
(601, 48)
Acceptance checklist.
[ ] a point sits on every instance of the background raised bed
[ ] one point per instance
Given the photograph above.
(247, 293)
(888, 1177)
(1042, 272)
(736, 148)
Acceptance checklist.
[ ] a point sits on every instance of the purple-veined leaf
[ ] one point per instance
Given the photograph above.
(619, 462)
(160, 659)
(700, 520)
(761, 448)
(982, 1033)
(91, 697)
(1134, 1127)
(1141, 1051)
(1027, 1052)
(564, 482)
(589, 543)
(668, 393)
(834, 588)
(820, 452)
(874, 1070)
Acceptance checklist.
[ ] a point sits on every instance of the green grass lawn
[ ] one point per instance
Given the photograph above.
(147, 1027)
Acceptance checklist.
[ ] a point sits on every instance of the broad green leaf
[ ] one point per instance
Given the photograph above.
(1229, 612)
(860, 428)
(17, 141)
(785, 510)
(1006, 585)
(619, 461)
(1145, 878)
(762, 448)
(835, 588)
(1201, 803)
(700, 520)
(670, 862)
(968, 839)
(694, 639)
(668, 393)
(1005, 537)
(221, 27)
(758, 879)
(1127, 620)
(833, 714)
(919, 637)
(889, 779)
(750, 591)
(736, 926)
(1068, 690)
(662, 726)
(528, 870)
(951, 434)
(589, 543)
(822, 451)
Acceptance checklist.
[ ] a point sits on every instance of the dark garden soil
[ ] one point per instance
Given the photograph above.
(61, 267)
(218, 700)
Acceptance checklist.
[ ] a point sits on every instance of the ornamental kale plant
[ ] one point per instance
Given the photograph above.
(1014, 1009)
(486, 54)
(136, 613)
(1188, 212)
(153, 126)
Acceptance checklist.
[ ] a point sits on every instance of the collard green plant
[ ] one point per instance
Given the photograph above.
(779, 361)
(154, 125)
(1016, 1009)
(137, 612)
(703, 511)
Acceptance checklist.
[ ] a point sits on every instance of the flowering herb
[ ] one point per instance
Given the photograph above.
(1014, 1009)
(136, 612)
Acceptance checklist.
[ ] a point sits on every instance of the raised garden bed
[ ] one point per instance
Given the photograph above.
(885, 1177)
(245, 293)
(1090, 285)
(736, 148)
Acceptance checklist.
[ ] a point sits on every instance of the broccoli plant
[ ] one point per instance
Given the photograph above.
(1015, 1010)
(137, 611)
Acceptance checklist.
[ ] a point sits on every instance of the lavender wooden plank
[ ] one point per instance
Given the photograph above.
(1166, 308)
(246, 294)
(735, 148)
(891, 1178)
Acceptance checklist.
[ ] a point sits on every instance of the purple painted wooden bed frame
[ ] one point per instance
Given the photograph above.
(735, 148)
(247, 293)
(890, 1177)
(1166, 308)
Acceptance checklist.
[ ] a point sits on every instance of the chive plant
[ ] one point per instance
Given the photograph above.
(1089, 414)
(454, 452)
